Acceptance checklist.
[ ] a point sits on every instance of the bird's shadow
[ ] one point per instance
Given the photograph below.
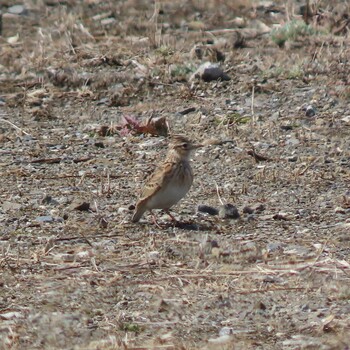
(187, 225)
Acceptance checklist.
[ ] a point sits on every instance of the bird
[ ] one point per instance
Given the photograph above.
(171, 180)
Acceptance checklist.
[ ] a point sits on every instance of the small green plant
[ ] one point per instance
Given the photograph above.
(232, 119)
(294, 72)
(130, 327)
(291, 31)
(180, 72)
(164, 51)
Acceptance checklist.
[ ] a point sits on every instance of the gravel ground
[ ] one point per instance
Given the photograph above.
(90, 91)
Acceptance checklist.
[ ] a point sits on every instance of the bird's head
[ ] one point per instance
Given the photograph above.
(183, 146)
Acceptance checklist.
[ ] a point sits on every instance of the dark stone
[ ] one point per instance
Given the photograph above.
(248, 210)
(207, 209)
(310, 111)
(228, 211)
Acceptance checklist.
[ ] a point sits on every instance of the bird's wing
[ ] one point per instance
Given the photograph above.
(157, 180)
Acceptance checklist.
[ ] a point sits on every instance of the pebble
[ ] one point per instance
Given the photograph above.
(17, 10)
(286, 127)
(6, 206)
(275, 116)
(209, 72)
(103, 101)
(296, 250)
(305, 308)
(228, 211)
(80, 205)
(187, 111)
(46, 218)
(225, 331)
(310, 111)
(259, 305)
(292, 158)
(207, 209)
(248, 210)
(47, 199)
(99, 144)
(346, 119)
(260, 208)
(340, 210)
(108, 21)
(274, 247)
(155, 255)
(122, 210)
(103, 223)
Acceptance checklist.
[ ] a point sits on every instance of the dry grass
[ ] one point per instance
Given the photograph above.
(88, 279)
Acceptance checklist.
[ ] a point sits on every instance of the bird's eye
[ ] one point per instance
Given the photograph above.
(185, 146)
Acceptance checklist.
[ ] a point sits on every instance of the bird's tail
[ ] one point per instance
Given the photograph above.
(138, 214)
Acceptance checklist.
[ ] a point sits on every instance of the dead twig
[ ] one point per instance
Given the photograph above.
(13, 125)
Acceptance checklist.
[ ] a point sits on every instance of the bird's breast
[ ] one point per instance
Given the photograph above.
(176, 188)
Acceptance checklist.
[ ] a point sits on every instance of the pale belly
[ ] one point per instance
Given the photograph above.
(169, 196)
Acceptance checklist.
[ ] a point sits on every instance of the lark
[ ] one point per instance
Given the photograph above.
(171, 180)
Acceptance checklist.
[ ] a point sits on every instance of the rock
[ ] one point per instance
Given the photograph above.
(259, 305)
(275, 116)
(225, 331)
(340, 210)
(122, 210)
(260, 208)
(214, 244)
(208, 72)
(346, 119)
(224, 339)
(6, 206)
(281, 216)
(103, 101)
(248, 210)
(10, 315)
(228, 211)
(155, 255)
(108, 21)
(286, 127)
(80, 205)
(274, 247)
(47, 199)
(249, 246)
(298, 250)
(310, 111)
(292, 141)
(305, 308)
(207, 209)
(13, 39)
(187, 111)
(46, 218)
(19, 10)
(292, 158)
(102, 222)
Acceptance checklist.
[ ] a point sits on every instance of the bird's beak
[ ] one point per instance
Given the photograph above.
(197, 146)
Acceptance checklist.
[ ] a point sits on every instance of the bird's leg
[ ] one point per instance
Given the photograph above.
(171, 216)
(154, 219)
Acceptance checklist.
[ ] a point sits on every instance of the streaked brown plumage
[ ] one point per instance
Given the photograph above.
(171, 180)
